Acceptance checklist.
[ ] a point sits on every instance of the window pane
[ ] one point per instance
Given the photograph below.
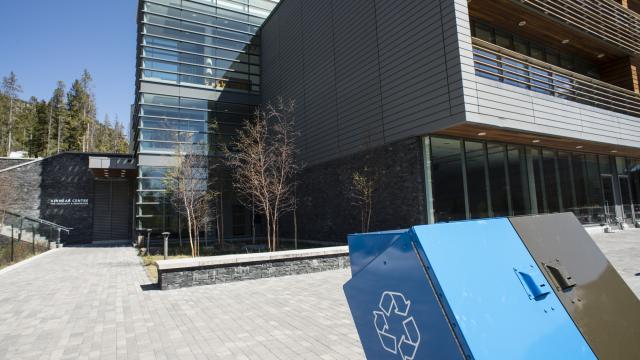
(518, 180)
(566, 182)
(476, 184)
(498, 179)
(446, 178)
(536, 181)
(153, 172)
(594, 189)
(551, 181)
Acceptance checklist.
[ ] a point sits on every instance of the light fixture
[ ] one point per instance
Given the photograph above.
(614, 151)
(600, 56)
(579, 147)
(522, 23)
(535, 141)
(482, 133)
(565, 41)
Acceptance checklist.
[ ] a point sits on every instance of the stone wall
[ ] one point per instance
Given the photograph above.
(9, 162)
(20, 189)
(67, 176)
(33, 190)
(326, 211)
(193, 273)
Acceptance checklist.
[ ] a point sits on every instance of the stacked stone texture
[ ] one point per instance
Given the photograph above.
(326, 210)
(231, 273)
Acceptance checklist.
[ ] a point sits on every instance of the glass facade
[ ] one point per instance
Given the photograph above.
(473, 179)
(210, 45)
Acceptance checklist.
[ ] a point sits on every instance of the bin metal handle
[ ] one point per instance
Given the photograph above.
(560, 276)
(533, 284)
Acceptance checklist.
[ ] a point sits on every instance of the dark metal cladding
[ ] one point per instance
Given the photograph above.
(603, 307)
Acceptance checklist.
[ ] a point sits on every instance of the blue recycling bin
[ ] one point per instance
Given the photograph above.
(464, 290)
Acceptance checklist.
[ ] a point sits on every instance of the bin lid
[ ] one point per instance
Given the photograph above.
(601, 304)
(499, 298)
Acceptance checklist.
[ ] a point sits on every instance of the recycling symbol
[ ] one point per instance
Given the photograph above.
(393, 304)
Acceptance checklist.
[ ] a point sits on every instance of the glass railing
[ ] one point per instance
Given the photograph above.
(509, 67)
(24, 236)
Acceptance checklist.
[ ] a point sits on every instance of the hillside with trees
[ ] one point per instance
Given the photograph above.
(65, 122)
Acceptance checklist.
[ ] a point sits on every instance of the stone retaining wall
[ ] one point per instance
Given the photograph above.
(175, 274)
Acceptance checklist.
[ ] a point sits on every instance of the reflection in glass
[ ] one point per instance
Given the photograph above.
(446, 178)
(498, 181)
(476, 180)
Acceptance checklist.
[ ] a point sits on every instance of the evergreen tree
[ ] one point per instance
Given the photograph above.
(121, 145)
(57, 112)
(67, 122)
(11, 89)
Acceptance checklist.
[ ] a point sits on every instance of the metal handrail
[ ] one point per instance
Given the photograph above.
(605, 19)
(543, 77)
(40, 221)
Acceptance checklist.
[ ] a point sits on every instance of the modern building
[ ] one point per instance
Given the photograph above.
(198, 65)
(457, 109)
(460, 109)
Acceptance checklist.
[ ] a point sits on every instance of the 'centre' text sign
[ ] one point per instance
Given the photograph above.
(68, 202)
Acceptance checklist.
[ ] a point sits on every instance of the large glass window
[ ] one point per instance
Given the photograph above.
(476, 179)
(551, 182)
(567, 186)
(518, 180)
(536, 180)
(446, 179)
(498, 180)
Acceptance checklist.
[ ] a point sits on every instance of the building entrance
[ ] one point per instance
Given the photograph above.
(112, 210)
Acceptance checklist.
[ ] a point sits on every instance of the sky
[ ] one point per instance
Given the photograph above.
(44, 41)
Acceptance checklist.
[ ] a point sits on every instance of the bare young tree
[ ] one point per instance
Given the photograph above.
(264, 160)
(189, 190)
(11, 89)
(363, 186)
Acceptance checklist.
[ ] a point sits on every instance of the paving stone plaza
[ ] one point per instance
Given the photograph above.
(94, 303)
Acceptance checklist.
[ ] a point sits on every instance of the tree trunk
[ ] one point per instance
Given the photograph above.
(49, 128)
(59, 134)
(10, 127)
(295, 228)
(268, 219)
(190, 231)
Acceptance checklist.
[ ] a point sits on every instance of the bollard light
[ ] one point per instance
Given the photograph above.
(148, 241)
(165, 235)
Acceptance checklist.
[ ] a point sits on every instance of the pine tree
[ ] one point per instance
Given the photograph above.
(56, 113)
(11, 89)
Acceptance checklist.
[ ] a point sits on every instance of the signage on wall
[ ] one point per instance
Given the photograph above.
(68, 202)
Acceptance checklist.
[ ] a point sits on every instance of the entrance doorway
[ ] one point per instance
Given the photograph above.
(112, 210)
(628, 210)
(609, 197)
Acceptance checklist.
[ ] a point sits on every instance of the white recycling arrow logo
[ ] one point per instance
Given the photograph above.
(406, 344)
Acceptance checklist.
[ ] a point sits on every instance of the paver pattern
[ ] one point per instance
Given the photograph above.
(90, 303)
(623, 251)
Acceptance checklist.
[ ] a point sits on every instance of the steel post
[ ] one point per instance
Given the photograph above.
(148, 242)
(165, 235)
(11, 242)
(33, 238)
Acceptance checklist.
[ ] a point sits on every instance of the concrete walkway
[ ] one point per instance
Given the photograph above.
(88, 303)
(623, 251)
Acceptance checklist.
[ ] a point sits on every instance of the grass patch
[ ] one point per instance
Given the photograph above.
(21, 251)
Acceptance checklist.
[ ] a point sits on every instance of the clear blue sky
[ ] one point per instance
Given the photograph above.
(44, 41)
